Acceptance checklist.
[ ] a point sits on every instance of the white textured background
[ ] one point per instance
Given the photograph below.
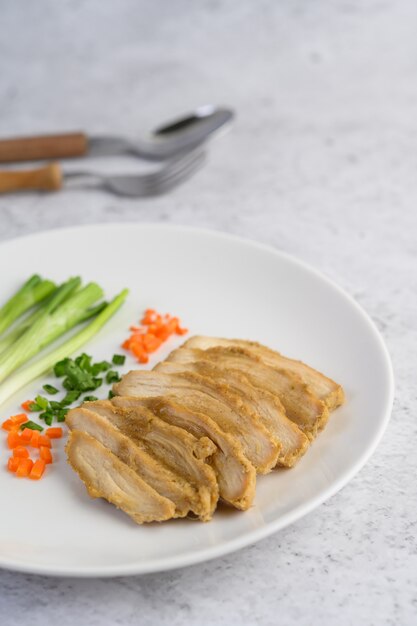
(321, 163)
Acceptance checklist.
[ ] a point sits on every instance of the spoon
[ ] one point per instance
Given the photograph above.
(165, 142)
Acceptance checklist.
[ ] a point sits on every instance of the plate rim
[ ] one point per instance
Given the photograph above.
(252, 537)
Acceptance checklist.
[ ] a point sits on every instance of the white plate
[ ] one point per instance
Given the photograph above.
(219, 285)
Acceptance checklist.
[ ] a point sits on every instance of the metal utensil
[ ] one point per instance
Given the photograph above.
(181, 134)
(52, 178)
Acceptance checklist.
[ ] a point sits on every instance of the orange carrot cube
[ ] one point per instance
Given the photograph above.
(37, 470)
(34, 441)
(13, 439)
(21, 452)
(26, 405)
(21, 418)
(26, 435)
(54, 433)
(13, 463)
(24, 468)
(44, 441)
(45, 454)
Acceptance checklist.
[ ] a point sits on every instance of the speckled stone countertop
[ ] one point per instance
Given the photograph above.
(321, 163)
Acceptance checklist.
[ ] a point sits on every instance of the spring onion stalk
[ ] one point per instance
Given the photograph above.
(60, 294)
(61, 315)
(47, 362)
(16, 332)
(32, 292)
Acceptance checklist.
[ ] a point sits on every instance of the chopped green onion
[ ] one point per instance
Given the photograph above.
(42, 402)
(112, 377)
(31, 425)
(77, 378)
(102, 366)
(60, 368)
(70, 397)
(90, 398)
(61, 415)
(55, 405)
(84, 362)
(45, 414)
(34, 407)
(111, 394)
(50, 389)
(118, 359)
(48, 419)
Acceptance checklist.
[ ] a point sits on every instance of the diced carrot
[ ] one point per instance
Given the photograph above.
(140, 353)
(155, 329)
(54, 433)
(45, 454)
(34, 441)
(162, 332)
(44, 441)
(149, 317)
(9, 425)
(21, 418)
(24, 468)
(37, 469)
(13, 463)
(26, 435)
(151, 343)
(13, 439)
(20, 452)
(137, 338)
(26, 405)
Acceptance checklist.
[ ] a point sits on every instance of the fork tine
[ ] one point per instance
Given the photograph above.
(173, 174)
(169, 183)
(172, 167)
(157, 182)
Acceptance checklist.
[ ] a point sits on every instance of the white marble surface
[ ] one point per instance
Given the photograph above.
(321, 163)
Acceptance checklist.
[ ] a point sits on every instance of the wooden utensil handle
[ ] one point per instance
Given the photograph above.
(43, 147)
(48, 178)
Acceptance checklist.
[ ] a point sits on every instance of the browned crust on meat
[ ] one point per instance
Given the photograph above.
(227, 461)
(293, 441)
(105, 476)
(326, 389)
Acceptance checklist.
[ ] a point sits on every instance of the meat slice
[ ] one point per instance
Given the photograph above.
(323, 387)
(173, 446)
(266, 405)
(235, 474)
(105, 476)
(301, 405)
(153, 472)
(214, 400)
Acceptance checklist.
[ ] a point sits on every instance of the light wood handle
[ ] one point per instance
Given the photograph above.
(43, 147)
(48, 178)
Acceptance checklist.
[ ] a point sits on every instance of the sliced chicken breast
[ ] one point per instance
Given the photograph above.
(105, 476)
(173, 446)
(235, 474)
(301, 405)
(214, 400)
(323, 387)
(153, 472)
(266, 405)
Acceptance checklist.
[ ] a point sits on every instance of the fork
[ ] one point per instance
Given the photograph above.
(52, 178)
